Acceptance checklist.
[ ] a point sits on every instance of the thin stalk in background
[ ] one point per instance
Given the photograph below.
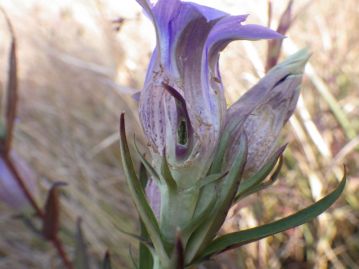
(10, 107)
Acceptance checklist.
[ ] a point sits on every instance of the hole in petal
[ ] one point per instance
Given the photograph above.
(182, 132)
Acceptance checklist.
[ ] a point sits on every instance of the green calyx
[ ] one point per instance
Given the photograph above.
(190, 217)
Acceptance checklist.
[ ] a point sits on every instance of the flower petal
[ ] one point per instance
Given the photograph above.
(230, 28)
(209, 13)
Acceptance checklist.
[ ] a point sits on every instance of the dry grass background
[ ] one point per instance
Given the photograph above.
(76, 72)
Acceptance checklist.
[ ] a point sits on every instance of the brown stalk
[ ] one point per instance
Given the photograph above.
(5, 143)
(275, 45)
(11, 90)
(39, 212)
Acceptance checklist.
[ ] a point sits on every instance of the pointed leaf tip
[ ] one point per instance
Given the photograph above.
(138, 194)
(297, 61)
(81, 258)
(106, 264)
(51, 220)
(166, 173)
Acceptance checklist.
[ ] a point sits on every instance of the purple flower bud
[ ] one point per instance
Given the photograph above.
(262, 111)
(182, 105)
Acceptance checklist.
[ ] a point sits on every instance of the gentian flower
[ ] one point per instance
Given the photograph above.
(206, 157)
(262, 112)
(182, 105)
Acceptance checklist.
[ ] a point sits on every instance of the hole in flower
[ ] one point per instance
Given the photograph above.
(183, 125)
(182, 133)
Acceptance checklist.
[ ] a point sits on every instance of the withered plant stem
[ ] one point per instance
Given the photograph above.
(20, 181)
(60, 249)
(39, 212)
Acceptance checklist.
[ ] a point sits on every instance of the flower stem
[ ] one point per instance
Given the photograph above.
(61, 251)
(9, 163)
(57, 243)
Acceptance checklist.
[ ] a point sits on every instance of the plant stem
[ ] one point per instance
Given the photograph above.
(60, 249)
(22, 185)
(39, 212)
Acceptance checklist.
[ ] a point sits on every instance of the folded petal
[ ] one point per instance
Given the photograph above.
(209, 13)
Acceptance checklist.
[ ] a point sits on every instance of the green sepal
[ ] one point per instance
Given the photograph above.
(247, 185)
(199, 219)
(142, 239)
(145, 254)
(237, 239)
(142, 175)
(81, 258)
(166, 173)
(145, 259)
(210, 179)
(217, 163)
(146, 164)
(139, 197)
(273, 178)
(225, 196)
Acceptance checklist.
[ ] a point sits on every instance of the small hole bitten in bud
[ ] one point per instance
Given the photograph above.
(182, 133)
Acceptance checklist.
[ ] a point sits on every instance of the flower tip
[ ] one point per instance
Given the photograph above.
(282, 148)
(302, 56)
(296, 62)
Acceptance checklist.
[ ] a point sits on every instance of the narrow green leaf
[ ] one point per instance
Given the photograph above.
(229, 186)
(261, 175)
(138, 195)
(227, 191)
(143, 239)
(143, 176)
(81, 258)
(146, 164)
(145, 255)
(259, 187)
(166, 173)
(133, 260)
(210, 179)
(199, 219)
(240, 238)
(216, 166)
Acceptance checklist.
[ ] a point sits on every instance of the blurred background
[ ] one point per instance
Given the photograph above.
(80, 62)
